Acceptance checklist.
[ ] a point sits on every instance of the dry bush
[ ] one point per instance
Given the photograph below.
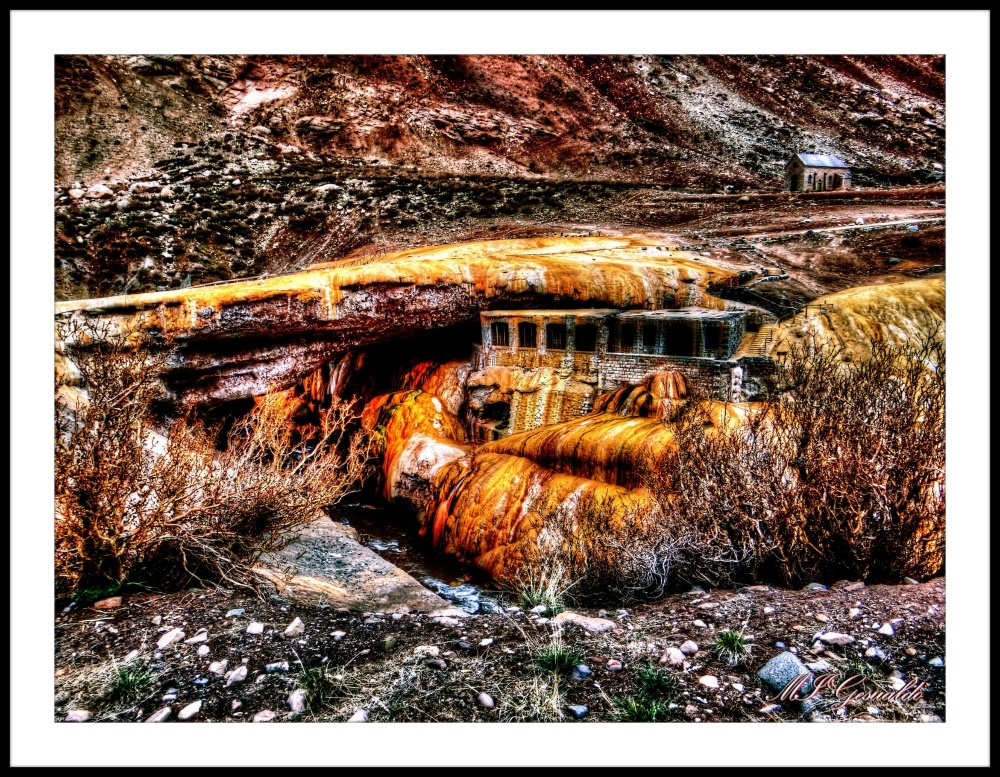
(841, 477)
(135, 506)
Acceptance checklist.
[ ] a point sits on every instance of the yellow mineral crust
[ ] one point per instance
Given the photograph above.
(900, 314)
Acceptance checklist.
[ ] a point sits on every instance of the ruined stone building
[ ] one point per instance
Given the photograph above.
(538, 367)
(816, 173)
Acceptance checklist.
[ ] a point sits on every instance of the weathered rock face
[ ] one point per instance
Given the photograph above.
(900, 314)
(249, 338)
(658, 397)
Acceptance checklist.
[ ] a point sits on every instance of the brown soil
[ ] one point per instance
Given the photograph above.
(394, 685)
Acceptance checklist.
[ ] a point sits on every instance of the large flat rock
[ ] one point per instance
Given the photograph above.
(326, 564)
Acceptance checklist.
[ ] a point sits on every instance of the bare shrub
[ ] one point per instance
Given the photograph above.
(840, 476)
(132, 505)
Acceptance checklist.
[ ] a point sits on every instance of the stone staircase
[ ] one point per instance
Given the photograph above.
(756, 343)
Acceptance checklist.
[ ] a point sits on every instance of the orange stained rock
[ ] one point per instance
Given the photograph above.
(607, 270)
(658, 397)
(502, 512)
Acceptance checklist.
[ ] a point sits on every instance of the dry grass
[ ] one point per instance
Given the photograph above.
(168, 511)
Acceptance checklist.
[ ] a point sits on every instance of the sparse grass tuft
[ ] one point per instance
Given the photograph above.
(657, 684)
(640, 710)
(323, 688)
(545, 587)
(128, 686)
(731, 646)
(557, 658)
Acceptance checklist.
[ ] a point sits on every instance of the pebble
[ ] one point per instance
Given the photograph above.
(218, 667)
(700, 624)
(160, 715)
(295, 628)
(297, 700)
(343, 611)
(930, 719)
(197, 638)
(463, 645)
(203, 651)
(449, 654)
(156, 620)
(874, 711)
(689, 647)
(815, 587)
(398, 616)
(709, 681)
(108, 604)
(360, 716)
(874, 652)
(437, 663)
(190, 710)
(822, 618)
(819, 666)
(897, 683)
(768, 610)
(486, 642)
(78, 716)
(577, 711)
(264, 716)
(170, 695)
(236, 704)
(389, 644)
(887, 630)
(911, 651)
(936, 661)
(690, 710)
(235, 613)
(854, 613)
(854, 586)
(427, 650)
(833, 638)
(541, 621)
(581, 672)
(911, 581)
(255, 628)
(485, 700)
(614, 665)
(738, 687)
(538, 610)
(672, 656)
(338, 635)
(171, 636)
(707, 605)
(780, 645)
(131, 657)
(277, 666)
(238, 675)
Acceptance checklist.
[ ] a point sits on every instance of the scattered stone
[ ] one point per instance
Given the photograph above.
(436, 663)
(887, 630)
(197, 638)
(108, 604)
(218, 667)
(238, 675)
(485, 700)
(854, 586)
(156, 620)
(614, 665)
(203, 651)
(700, 624)
(897, 683)
(743, 200)
(854, 613)
(768, 610)
(581, 672)
(833, 638)
(255, 628)
(936, 661)
(389, 644)
(539, 609)
(486, 642)
(264, 716)
(431, 651)
(707, 605)
(577, 711)
(690, 710)
(236, 704)
(449, 654)
(398, 616)
(99, 192)
(78, 716)
(672, 656)
(709, 681)
(295, 628)
(593, 625)
(131, 657)
(911, 651)
(170, 695)
(190, 710)
(930, 719)
(689, 647)
(738, 687)
(235, 613)
(913, 228)
(170, 637)
(541, 621)
(815, 587)
(819, 666)
(874, 711)
(277, 666)
(297, 700)
(76, 194)
(463, 645)
(360, 716)
(338, 635)
(780, 645)
(822, 618)
(875, 652)
(777, 673)
(160, 715)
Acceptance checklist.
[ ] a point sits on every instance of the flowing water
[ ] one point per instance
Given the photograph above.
(393, 535)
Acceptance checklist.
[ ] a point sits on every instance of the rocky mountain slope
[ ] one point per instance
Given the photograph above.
(173, 170)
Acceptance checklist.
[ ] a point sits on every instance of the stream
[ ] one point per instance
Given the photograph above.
(393, 534)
